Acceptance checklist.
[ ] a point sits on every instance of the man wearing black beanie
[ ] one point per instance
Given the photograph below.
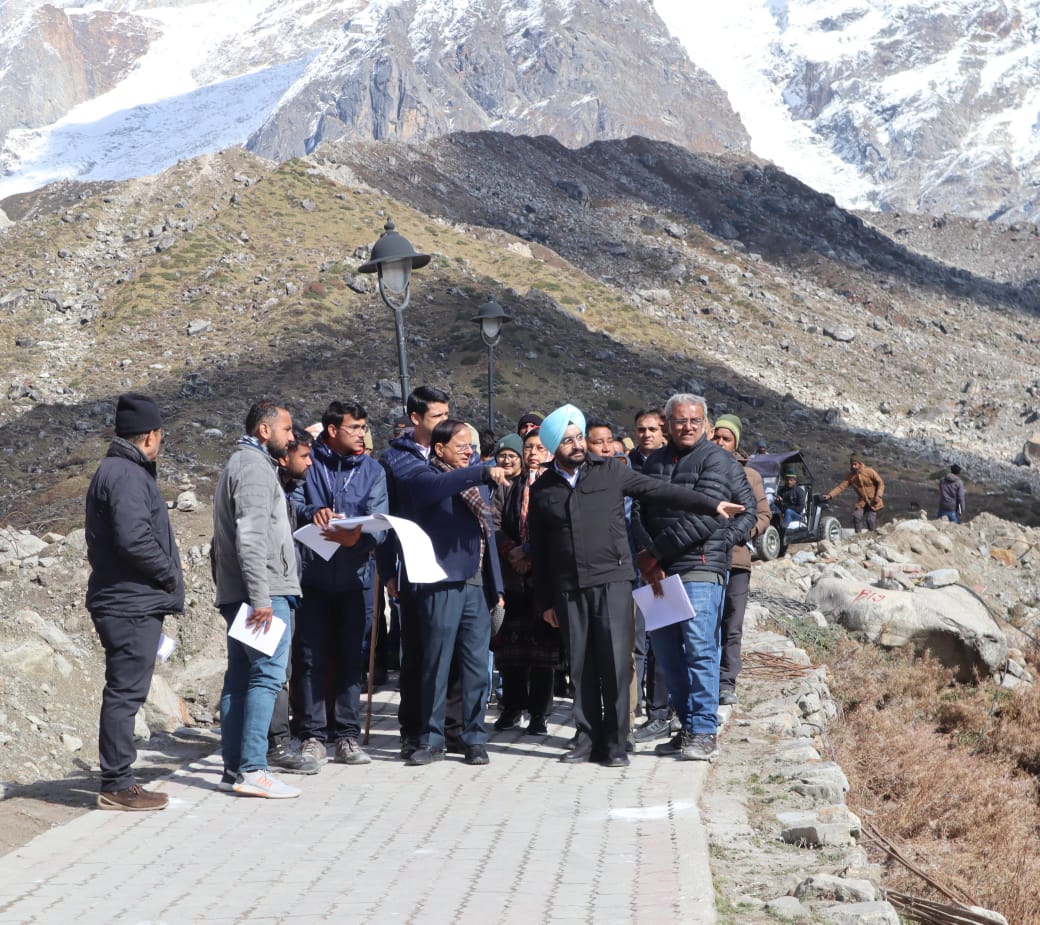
(135, 580)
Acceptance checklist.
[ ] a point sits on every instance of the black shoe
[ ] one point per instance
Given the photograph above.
(727, 698)
(536, 727)
(283, 758)
(580, 753)
(616, 761)
(476, 754)
(425, 755)
(408, 748)
(509, 719)
(650, 730)
(630, 744)
(455, 746)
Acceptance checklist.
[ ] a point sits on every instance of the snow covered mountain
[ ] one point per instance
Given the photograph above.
(913, 105)
(284, 76)
(918, 105)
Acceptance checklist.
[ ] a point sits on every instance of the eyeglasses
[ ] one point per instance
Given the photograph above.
(686, 422)
(355, 428)
(573, 441)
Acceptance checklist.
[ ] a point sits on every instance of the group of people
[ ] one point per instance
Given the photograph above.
(540, 543)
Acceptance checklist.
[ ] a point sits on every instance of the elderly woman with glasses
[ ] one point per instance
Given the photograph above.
(527, 650)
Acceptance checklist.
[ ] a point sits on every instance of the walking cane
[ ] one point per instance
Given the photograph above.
(376, 615)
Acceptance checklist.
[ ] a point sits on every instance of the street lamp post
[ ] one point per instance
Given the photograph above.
(393, 258)
(491, 316)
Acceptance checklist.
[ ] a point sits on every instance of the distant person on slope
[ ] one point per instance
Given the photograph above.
(951, 496)
(870, 488)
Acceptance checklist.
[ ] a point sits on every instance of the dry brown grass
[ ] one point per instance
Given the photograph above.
(942, 770)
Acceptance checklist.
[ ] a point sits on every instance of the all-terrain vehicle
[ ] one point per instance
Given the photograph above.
(813, 525)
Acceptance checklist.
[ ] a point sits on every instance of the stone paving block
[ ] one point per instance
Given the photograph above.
(434, 845)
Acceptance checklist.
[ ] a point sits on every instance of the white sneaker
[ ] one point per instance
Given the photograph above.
(261, 784)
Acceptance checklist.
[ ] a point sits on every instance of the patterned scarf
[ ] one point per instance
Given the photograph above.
(474, 501)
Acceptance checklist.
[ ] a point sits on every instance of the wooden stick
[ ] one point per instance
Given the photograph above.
(376, 615)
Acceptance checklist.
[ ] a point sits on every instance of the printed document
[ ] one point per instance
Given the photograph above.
(256, 639)
(673, 607)
(416, 547)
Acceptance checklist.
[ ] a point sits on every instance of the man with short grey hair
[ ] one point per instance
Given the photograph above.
(254, 563)
(695, 547)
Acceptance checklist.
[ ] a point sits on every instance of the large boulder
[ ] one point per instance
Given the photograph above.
(949, 622)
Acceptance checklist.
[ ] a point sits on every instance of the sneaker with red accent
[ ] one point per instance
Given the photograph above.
(261, 784)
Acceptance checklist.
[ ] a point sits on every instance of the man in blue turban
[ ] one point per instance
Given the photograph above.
(583, 574)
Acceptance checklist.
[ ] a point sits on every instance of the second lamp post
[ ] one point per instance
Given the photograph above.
(491, 316)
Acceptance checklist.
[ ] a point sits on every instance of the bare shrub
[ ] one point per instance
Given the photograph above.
(937, 766)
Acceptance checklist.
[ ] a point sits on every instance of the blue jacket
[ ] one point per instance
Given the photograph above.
(453, 529)
(348, 485)
(425, 495)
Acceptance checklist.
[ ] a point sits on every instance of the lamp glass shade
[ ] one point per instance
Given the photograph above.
(491, 328)
(395, 274)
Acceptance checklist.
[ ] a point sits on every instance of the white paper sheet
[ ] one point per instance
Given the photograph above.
(256, 639)
(416, 547)
(673, 607)
(167, 644)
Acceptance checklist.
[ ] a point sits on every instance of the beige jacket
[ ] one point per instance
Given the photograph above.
(867, 484)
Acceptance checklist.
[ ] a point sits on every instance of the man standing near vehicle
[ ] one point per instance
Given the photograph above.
(135, 580)
(870, 488)
(697, 549)
(727, 435)
(254, 563)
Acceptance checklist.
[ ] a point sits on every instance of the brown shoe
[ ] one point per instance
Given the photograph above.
(133, 799)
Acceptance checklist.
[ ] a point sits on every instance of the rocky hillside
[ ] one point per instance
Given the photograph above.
(633, 269)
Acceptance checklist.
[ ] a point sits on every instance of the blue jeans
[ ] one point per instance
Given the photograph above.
(948, 515)
(689, 652)
(251, 684)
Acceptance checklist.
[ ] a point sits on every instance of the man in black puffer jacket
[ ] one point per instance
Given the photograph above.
(697, 549)
(135, 580)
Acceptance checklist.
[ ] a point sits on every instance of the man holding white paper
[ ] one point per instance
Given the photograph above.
(254, 565)
(697, 550)
(343, 482)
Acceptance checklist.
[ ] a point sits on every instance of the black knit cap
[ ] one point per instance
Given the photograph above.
(136, 414)
(532, 417)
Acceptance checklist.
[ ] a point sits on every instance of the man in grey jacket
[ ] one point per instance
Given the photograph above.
(254, 563)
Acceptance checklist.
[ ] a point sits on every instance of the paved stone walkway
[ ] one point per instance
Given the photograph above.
(523, 840)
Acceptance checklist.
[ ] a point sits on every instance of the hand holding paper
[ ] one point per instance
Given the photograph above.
(258, 629)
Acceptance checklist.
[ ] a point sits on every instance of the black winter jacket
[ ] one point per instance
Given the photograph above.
(135, 565)
(683, 541)
(578, 536)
